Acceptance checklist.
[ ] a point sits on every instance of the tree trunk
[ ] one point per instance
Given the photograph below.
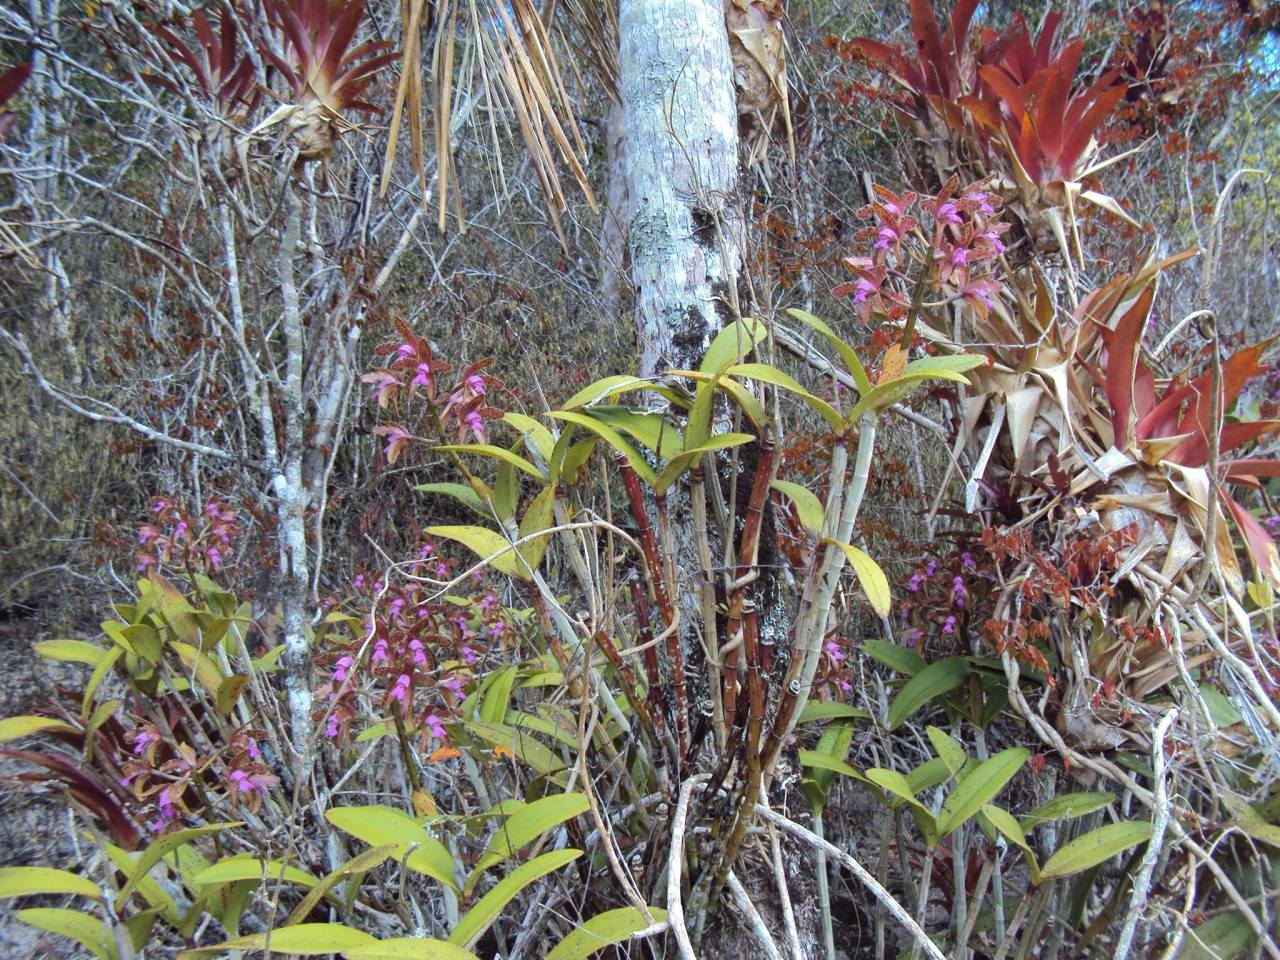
(681, 171)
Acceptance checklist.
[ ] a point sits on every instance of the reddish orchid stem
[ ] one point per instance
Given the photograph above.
(748, 549)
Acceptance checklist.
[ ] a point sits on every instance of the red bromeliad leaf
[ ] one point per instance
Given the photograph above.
(12, 79)
(1262, 549)
(1253, 468)
(1242, 367)
(319, 62)
(1123, 345)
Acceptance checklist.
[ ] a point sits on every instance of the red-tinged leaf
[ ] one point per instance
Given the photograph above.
(1262, 549)
(933, 57)
(1236, 434)
(1253, 468)
(1082, 131)
(1019, 58)
(1239, 369)
(12, 79)
(227, 57)
(1044, 45)
(986, 112)
(1123, 344)
(204, 33)
(1011, 94)
(1051, 108)
(961, 17)
(890, 59)
(1164, 417)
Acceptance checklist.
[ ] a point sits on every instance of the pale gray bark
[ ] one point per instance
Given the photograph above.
(681, 172)
(613, 230)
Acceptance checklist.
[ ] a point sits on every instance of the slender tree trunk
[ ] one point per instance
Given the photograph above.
(291, 492)
(681, 165)
(613, 231)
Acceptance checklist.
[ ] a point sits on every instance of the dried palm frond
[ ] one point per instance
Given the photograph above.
(517, 69)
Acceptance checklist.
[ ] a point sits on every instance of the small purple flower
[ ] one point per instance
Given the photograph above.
(958, 591)
(331, 728)
(129, 778)
(159, 505)
(833, 650)
(475, 422)
(425, 551)
(992, 238)
(343, 665)
(917, 581)
(146, 535)
(422, 378)
(358, 582)
(475, 383)
(468, 655)
(453, 684)
(165, 802)
(215, 557)
(241, 780)
(442, 569)
(498, 629)
(405, 351)
(397, 605)
(145, 562)
(966, 561)
(180, 530)
(863, 290)
(435, 726)
(931, 567)
(488, 603)
(419, 654)
(947, 213)
(252, 747)
(845, 686)
(380, 651)
(400, 691)
(949, 625)
(144, 738)
(888, 237)
(959, 256)
(984, 203)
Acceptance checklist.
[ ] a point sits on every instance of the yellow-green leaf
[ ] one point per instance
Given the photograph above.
(305, 939)
(487, 544)
(946, 747)
(409, 948)
(26, 881)
(1095, 847)
(248, 868)
(603, 930)
(495, 453)
(526, 825)
(808, 507)
(90, 932)
(539, 517)
(851, 362)
(479, 917)
(611, 437)
(937, 678)
(14, 728)
(162, 846)
(981, 784)
(535, 434)
(874, 583)
(460, 492)
(71, 651)
(377, 825)
(1065, 806)
(736, 340)
(361, 863)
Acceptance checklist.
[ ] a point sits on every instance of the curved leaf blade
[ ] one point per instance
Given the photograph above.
(933, 681)
(603, 930)
(979, 786)
(488, 907)
(1095, 847)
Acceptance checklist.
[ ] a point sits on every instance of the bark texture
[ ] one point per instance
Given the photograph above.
(681, 166)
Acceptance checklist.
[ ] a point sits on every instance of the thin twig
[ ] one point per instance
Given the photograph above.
(859, 871)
